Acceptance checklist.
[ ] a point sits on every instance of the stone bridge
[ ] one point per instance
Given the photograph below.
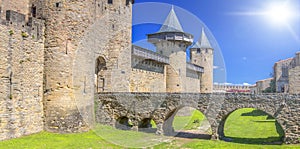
(140, 108)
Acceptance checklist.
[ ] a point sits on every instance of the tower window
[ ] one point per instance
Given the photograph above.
(198, 51)
(110, 1)
(33, 11)
(58, 4)
(206, 51)
(127, 2)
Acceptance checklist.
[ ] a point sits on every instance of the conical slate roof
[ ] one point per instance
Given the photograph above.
(196, 45)
(172, 23)
(203, 42)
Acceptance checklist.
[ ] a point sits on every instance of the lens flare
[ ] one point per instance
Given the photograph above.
(279, 13)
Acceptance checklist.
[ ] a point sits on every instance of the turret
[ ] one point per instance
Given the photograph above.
(172, 41)
(202, 55)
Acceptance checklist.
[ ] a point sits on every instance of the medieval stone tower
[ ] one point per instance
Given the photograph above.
(84, 41)
(202, 55)
(55, 55)
(172, 41)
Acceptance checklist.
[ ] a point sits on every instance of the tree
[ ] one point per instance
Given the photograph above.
(271, 88)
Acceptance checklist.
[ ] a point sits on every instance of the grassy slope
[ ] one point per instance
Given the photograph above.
(187, 122)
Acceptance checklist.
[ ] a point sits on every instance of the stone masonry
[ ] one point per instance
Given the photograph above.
(48, 52)
(77, 34)
(294, 75)
(281, 75)
(161, 107)
(21, 75)
(55, 55)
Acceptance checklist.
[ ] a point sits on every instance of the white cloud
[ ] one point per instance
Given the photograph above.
(216, 67)
(246, 84)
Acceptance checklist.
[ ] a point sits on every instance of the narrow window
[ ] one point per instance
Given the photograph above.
(127, 2)
(198, 50)
(33, 11)
(110, 1)
(58, 4)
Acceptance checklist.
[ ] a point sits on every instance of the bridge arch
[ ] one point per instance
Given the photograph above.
(257, 121)
(147, 125)
(186, 121)
(161, 106)
(123, 123)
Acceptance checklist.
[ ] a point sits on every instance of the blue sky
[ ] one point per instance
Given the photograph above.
(250, 43)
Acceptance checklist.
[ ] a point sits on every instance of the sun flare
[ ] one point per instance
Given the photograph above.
(279, 13)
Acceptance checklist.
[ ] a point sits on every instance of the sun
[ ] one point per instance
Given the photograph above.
(279, 13)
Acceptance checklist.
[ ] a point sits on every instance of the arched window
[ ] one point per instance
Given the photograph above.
(100, 74)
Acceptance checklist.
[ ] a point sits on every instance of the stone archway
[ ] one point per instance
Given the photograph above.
(236, 130)
(147, 125)
(123, 123)
(100, 70)
(189, 126)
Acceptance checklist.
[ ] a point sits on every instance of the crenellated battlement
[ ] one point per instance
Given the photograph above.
(32, 27)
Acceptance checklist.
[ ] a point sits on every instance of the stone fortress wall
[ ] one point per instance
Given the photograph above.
(146, 81)
(54, 56)
(281, 75)
(285, 77)
(21, 70)
(48, 53)
(231, 88)
(293, 75)
(79, 36)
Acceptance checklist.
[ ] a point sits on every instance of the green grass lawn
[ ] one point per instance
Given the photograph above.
(107, 140)
(244, 124)
(252, 126)
(46, 140)
(188, 122)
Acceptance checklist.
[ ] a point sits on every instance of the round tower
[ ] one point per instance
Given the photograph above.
(172, 41)
(83, 42)
(202, 55)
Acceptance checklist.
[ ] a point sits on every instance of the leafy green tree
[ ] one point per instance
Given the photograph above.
(272, 87)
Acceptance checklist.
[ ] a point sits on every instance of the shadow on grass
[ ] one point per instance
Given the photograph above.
(257, 113)
(192, 135)
(269, 140)
(148, 130)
